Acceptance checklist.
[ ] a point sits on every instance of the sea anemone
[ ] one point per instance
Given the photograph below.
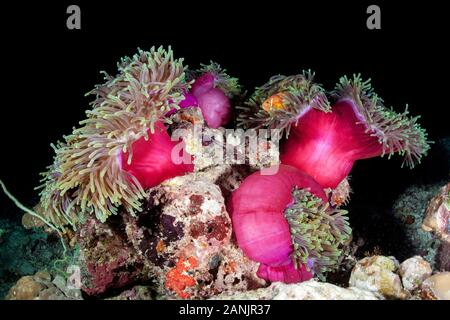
(93, 170)
(213, 89)
(284, 222)
(280, 102)
(152, 161)
(325, 141)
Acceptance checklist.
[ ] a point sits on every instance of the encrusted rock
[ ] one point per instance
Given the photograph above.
(29, 221)
(218, 147)
(437, 287)
(377, 274)
(135, 293)
(409, 211)
(40, 287)
(206, 145)
(437, 217)
(25, 289)
(443, 257)
(107, 260)
(24, 252)
(413, 272)
(184, 234)
(185, 118)
(226, 177)
(309, 290)
(181, 241)
(235, 272)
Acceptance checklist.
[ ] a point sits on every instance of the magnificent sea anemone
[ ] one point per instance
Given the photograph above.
(284, 222)
(323, 139)
(213, 89)
(122, 147)
(150, 160)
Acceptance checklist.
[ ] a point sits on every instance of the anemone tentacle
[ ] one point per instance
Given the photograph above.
(222, 80)
(297, 92)
(318, 231)
(396, 132)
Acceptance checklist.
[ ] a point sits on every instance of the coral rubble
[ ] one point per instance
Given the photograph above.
(437, 287)
(308, 290)
(41, 287)
(378, 274)
(414, 271)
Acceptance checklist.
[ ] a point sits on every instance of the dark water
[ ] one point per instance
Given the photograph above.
(375, 213)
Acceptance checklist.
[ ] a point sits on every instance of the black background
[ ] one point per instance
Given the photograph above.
(47, 69)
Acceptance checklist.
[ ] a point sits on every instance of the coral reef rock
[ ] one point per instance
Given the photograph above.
(218, 147)
(436, 287)
(377, 274)
(136, 293)
(185, 235)
(40, 287)
(308, 290)
(437, 217)
(443, 257)
(107, 260)
(24, 252)
(227, 177)
(409, 210)
(413, 272)
(29, 221)
(181, 241)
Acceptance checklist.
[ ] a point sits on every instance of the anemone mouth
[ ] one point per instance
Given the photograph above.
(319, 232)
(86, 176)
(396, 132)
(229, 85)
(298, 94)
